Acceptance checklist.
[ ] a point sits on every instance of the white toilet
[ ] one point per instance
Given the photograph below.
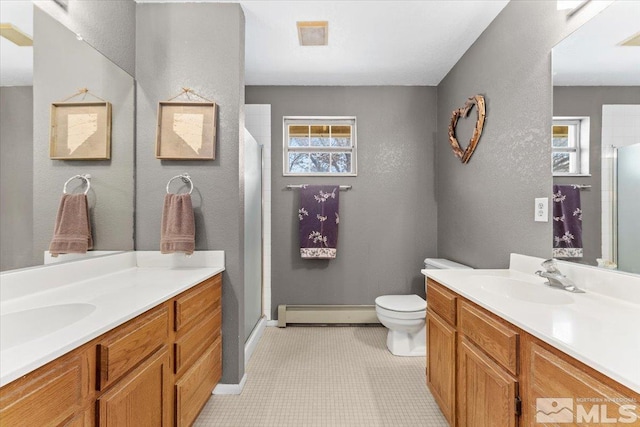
(404, 316)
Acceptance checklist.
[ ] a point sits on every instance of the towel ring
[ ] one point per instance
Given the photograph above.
(185, 178)
(86, 179)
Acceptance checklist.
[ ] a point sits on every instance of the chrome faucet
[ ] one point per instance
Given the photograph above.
(555, 278)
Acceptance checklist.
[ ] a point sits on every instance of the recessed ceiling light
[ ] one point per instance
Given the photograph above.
(634, 40)
(13, 34)
(313, 33)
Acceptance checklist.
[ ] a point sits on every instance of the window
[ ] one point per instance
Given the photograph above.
(319, 146)
(570, 146)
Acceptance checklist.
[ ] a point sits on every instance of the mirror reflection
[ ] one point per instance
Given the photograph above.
(596, 141)
(56, 67)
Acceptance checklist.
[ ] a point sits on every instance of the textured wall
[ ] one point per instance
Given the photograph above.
(63, 64)
(16, 169)
(108, 26)
(588, 101)
(200, 46)
(485, 208)
(388, 219)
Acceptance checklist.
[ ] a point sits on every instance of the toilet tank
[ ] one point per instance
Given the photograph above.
(443, 264)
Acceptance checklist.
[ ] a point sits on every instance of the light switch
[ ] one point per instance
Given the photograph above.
(541, 212)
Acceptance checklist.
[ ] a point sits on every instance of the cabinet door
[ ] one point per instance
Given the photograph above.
(50, 396)
(141, 398)
(560, 393)
(486, 392)
(441, 364)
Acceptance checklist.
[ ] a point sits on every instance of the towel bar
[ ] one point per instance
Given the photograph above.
(292, 186)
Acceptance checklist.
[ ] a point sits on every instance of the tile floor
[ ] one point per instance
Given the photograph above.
(327, 376)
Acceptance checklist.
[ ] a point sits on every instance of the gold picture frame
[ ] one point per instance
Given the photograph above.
(186, 131)
(80, 131)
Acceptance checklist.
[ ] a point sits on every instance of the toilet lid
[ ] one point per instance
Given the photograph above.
(404, 303)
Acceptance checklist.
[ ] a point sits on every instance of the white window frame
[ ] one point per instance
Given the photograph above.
(580, 165)
(319, 120)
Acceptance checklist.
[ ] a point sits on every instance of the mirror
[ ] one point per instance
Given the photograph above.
(32, 182)
(596, 109)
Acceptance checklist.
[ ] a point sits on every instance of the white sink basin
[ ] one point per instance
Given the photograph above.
(22, 326)
(537, 293)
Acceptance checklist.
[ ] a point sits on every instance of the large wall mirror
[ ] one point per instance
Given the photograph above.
(56, 67)
(596, 140)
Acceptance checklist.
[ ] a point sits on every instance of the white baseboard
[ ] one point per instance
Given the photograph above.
(230, 388)
(271, 323)
(254, 339)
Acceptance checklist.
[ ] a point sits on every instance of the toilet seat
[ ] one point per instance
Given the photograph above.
(401, 303)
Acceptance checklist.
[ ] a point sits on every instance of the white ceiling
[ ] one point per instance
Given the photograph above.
(383, 42)
(370, 42)
(591, 55)
(16, 62)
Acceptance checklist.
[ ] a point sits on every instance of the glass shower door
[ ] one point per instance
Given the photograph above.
(252, 233)
(628, 183)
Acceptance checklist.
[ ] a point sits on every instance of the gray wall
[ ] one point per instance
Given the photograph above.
(16, 169)
(485, 208)
(588, 101)
(108, 26)
(200, 46)
(63, 64)
(387, 221)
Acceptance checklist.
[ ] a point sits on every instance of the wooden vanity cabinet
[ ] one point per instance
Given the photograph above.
(157, 369)
(197, 348)
(441, 342)
(500, 371)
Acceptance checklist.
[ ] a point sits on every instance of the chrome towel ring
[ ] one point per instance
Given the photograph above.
(85, 177)
(185, 178)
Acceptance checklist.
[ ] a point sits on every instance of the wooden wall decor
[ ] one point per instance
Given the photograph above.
(465, 155)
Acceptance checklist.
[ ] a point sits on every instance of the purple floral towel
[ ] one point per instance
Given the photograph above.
(567, 222)
(318, 215)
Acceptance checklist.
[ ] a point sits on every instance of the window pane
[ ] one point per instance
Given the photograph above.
(320, 136)
(299, 142)
(560, 141)
(298, 130)
(561, 163)
(341, 136)
(319, 162)
(341, 162)
(299, 162)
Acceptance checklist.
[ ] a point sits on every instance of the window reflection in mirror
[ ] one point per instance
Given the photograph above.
(594, 73)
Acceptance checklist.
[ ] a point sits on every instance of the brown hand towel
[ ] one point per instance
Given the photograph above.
(178, 232)
(72, 231)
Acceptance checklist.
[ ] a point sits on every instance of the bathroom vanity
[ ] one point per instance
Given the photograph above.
(499, 356)
(156, 366)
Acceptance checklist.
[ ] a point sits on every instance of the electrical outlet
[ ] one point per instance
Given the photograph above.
(541, 211)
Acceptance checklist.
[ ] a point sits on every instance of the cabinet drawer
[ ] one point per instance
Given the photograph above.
(130, 344)
(191, 345)
(441, 301)
(194, 388)
(202, 298)
(50, 396)
(496, 339)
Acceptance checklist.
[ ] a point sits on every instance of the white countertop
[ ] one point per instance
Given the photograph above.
(599, 330)
(132, 284)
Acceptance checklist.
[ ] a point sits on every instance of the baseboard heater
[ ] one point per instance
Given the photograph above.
(326, 314)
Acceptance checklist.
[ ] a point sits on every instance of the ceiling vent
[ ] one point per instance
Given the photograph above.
(13, 34)
(634, 40)
(313, 33)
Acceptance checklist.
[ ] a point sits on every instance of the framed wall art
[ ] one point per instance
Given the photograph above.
(80, 131)
(186, 131)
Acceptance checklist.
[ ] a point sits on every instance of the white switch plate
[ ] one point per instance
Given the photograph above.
(541, 211)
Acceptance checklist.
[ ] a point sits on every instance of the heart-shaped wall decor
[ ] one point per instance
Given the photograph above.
(465, 155)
